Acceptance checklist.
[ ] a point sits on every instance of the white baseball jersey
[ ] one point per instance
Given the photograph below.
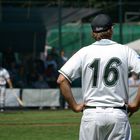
(4, 75)
(103, 67)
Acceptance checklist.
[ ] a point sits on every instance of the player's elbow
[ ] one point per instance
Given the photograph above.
(61, 79)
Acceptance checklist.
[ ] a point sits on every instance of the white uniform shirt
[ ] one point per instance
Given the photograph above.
(4, 75)
(103, 67)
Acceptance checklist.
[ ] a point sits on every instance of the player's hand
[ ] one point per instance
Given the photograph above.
(132, 108)
(79, 107)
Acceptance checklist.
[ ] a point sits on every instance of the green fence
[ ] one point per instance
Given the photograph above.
(75, 36)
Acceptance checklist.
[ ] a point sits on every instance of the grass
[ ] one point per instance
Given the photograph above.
(39, 125)
(48, 125)
(135, 124)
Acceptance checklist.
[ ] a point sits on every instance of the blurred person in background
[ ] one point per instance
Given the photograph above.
(21, 77)
(50, 61)
(4, 79)
(133, 80)
(40, 83)
(51, 75)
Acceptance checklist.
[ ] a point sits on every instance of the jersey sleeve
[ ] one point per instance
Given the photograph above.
(134, 61)
(6, 74)
(72, 68)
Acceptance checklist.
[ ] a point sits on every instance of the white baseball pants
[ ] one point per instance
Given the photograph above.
(2, 96)
(104, 124)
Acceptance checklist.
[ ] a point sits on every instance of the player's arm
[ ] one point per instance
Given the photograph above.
(7, 78)
(65, 88)
(135, 105)
(9, 83)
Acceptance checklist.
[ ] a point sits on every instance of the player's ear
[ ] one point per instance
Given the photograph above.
(112, 28)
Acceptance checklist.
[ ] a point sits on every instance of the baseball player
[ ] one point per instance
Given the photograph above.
(103, 67)
(4, 78)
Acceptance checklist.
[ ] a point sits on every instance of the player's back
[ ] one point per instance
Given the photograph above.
(104, 73)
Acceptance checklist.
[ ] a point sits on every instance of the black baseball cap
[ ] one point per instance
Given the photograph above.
(101, 23)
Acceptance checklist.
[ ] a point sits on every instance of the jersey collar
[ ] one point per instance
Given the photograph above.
(104, 42)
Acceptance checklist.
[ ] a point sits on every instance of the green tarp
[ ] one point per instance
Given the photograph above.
(75, 36)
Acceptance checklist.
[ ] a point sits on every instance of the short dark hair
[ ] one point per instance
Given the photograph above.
(103, 35)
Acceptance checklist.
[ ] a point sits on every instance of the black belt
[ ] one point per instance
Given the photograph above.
(120, 107)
